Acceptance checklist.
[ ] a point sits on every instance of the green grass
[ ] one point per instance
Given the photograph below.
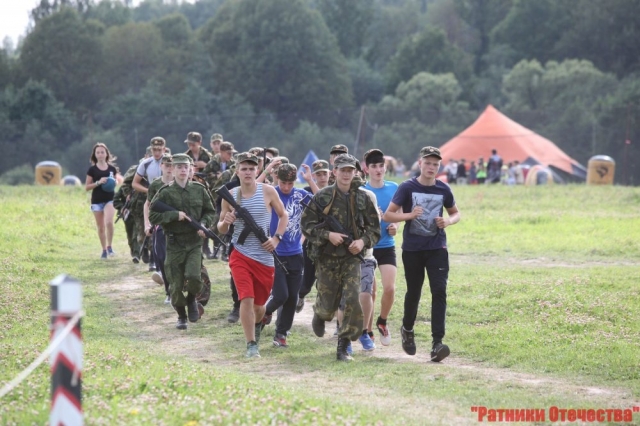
(543, 282)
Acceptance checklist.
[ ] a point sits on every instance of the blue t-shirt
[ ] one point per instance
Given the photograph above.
(384, 196)
(422, 233)
(292, 201)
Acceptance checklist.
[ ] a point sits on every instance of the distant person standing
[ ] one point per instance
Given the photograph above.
(481, 173)
(420, 202)
(494, 167)
(101, 181)
(461, 178)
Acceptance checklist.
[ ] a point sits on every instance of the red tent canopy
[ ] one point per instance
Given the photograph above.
(494, 130)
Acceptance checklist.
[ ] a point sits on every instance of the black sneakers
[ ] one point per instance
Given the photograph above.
(408, 343)
(234, 315)
(317, 324)
(439, 352)
(342, 354)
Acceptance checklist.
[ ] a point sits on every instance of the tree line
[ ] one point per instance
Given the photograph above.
(296, 73)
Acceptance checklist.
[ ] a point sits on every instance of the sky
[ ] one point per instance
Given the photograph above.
(14, 18)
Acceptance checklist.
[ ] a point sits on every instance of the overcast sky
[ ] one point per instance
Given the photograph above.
(14, 18)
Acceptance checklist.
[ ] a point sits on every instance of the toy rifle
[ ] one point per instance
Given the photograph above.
(331, 223)
(161, 207)
(250, 225)
(124, 211)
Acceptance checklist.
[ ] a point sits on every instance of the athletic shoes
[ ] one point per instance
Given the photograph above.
(234, 315)
(252, 350)
(385, 336)
(439, 352)
(110, 251)
(104, 254)
(157, 278)
(408, 343)
(167, 301)
(299, 305)
(367, 343)
(152, 267)
(181, 324)
(317, 324)
(280, 341)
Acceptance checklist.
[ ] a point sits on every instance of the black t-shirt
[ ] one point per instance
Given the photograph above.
(98, 195)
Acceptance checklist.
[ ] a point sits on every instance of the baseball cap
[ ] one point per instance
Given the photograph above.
(320, 166)
(339, 149)
(216, 137)
(428, 151)
(247, 156)
(345, 160)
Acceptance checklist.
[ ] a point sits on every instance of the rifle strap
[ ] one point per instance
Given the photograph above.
(333, 197)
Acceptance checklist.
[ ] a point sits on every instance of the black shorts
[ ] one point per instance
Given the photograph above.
(385, 256)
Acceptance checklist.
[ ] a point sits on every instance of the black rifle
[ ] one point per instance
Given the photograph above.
(331, 223)
(125, 208)
(250, 225)
(161, 207)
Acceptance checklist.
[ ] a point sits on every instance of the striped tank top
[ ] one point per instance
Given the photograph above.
(252, 248)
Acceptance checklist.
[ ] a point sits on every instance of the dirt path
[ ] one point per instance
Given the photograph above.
(151, 320)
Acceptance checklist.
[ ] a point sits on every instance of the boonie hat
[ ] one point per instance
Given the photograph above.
(428, 151)
(345, 160)
(339, 149)
(247, 156)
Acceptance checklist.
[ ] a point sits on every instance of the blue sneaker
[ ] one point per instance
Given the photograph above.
(110, 251)
(104, 254)
(367, 343)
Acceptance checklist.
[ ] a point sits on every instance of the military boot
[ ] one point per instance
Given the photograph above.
(342, 354)
(224, 256)
(182, 317)
(192, 308)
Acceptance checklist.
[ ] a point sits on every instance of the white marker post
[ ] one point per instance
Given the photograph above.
(66, 358)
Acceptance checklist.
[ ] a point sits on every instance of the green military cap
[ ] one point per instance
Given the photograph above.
(247, 156)
(216, 137)
(257, 151)
(345, 160)
(339, 149)
(428, 151)
(157, 141)
(226, 146)
(320, 166)
(182, 159)
(287, 172)
(193, 137)
(373, 156)
(167, 159)
(167, 150)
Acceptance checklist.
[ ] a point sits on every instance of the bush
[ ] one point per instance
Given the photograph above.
(21, 175)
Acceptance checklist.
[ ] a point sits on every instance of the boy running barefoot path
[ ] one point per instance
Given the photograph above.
(424, 247)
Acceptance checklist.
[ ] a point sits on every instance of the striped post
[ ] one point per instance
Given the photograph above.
(66, 358)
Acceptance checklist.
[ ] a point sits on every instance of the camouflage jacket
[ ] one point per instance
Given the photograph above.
(354, 210)
(215, 177)
(193, 199)
(203, 155)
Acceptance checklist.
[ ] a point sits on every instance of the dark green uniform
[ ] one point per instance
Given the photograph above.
(130, 222)
(337, 270)
(184, 246)
(203, 155)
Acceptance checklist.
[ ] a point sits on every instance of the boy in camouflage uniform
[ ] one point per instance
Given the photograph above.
(198, 154)
(337, 267)
(184, 244)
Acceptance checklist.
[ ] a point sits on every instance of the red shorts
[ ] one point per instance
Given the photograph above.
(252, 278)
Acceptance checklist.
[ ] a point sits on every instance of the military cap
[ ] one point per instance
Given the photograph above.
(167, 150)
(287, 172)
(148, 151)
(193, 137)
(373, 156)
(430, 151)
(167, 159)
(283, 160)
(257, 151)
(345, 160)
(339, 149)
(226, 146)
(274, 151)
(247, 156)
(157, 141)
(216, 137)
(182, 159)
(320, 166)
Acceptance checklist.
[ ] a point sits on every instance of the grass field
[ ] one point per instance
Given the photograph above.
(543, 311)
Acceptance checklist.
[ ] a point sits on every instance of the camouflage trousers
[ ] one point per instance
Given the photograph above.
(338, 278)
(183, 266)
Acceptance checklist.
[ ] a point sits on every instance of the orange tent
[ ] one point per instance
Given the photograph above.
(494, 130)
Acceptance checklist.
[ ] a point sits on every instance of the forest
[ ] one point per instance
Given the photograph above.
(298, 75)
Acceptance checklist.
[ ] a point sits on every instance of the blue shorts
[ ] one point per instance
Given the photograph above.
(100, 206)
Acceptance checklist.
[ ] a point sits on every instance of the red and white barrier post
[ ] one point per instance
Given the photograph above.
(66, 358)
